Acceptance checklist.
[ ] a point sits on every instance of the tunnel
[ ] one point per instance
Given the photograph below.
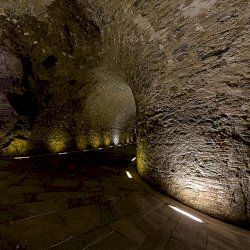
(124, 124)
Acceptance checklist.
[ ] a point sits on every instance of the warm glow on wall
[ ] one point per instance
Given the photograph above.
(17, 147)
(57, 141)
(107, 139)
(127, 138)
(141, 159)
(95, 140)
(81, 142)
(131, 137)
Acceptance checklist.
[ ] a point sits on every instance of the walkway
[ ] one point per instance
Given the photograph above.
(87, 201)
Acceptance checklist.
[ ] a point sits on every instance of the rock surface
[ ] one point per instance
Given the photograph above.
(58, 102)
(11, 73)
(187, 63)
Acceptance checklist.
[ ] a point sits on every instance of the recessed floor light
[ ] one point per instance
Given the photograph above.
(64, 153)
(187, 214)
(23, 157)
(129, 175)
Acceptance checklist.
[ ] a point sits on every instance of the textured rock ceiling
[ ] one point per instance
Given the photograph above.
(64, 96)
(187, 63)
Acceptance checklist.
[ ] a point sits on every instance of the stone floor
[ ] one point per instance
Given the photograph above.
(87, 201)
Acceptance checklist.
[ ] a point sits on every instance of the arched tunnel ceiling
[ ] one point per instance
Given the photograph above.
(187, 63)
(110, 98)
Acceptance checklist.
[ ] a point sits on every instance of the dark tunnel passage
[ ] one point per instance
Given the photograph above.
(112, 110)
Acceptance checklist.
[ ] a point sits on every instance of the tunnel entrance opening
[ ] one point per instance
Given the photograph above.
(108, 116)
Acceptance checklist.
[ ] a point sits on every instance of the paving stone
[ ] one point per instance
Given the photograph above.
(4, 186)
(53, 195)
(70, 243)
(108, 211)
(159, 239)
(218, 238)
(126, 206)
(15, 179)
(9, 199)
(7, 244)
(168, 212)
(114, 241)
(130, 230)
(242, 241)
(191, 232)
(30, 182)
(91, 238)
(24, 189)
(36, 232)
(135, 203)
(36, 208)
(150, 223)
(65, 183)
(83, 219)
(4, 174)
(174, 244)
(10, 213)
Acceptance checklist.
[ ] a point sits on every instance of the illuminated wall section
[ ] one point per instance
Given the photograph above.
(57, 140)
(109, 112)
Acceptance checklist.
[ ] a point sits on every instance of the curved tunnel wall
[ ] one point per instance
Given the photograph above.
(187, 64)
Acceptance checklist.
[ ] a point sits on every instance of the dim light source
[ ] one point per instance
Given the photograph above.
(95, 140)
(23, 157)
(17, 147)
(186, 214)
(81, 142)
(57, 140)
(107, 139)
(129, 175)
(116, 139)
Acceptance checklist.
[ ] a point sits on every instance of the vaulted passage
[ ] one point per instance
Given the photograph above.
(172, 77)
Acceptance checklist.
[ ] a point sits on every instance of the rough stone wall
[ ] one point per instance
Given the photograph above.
(61, 53)
(187, 63)
(11, 73)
